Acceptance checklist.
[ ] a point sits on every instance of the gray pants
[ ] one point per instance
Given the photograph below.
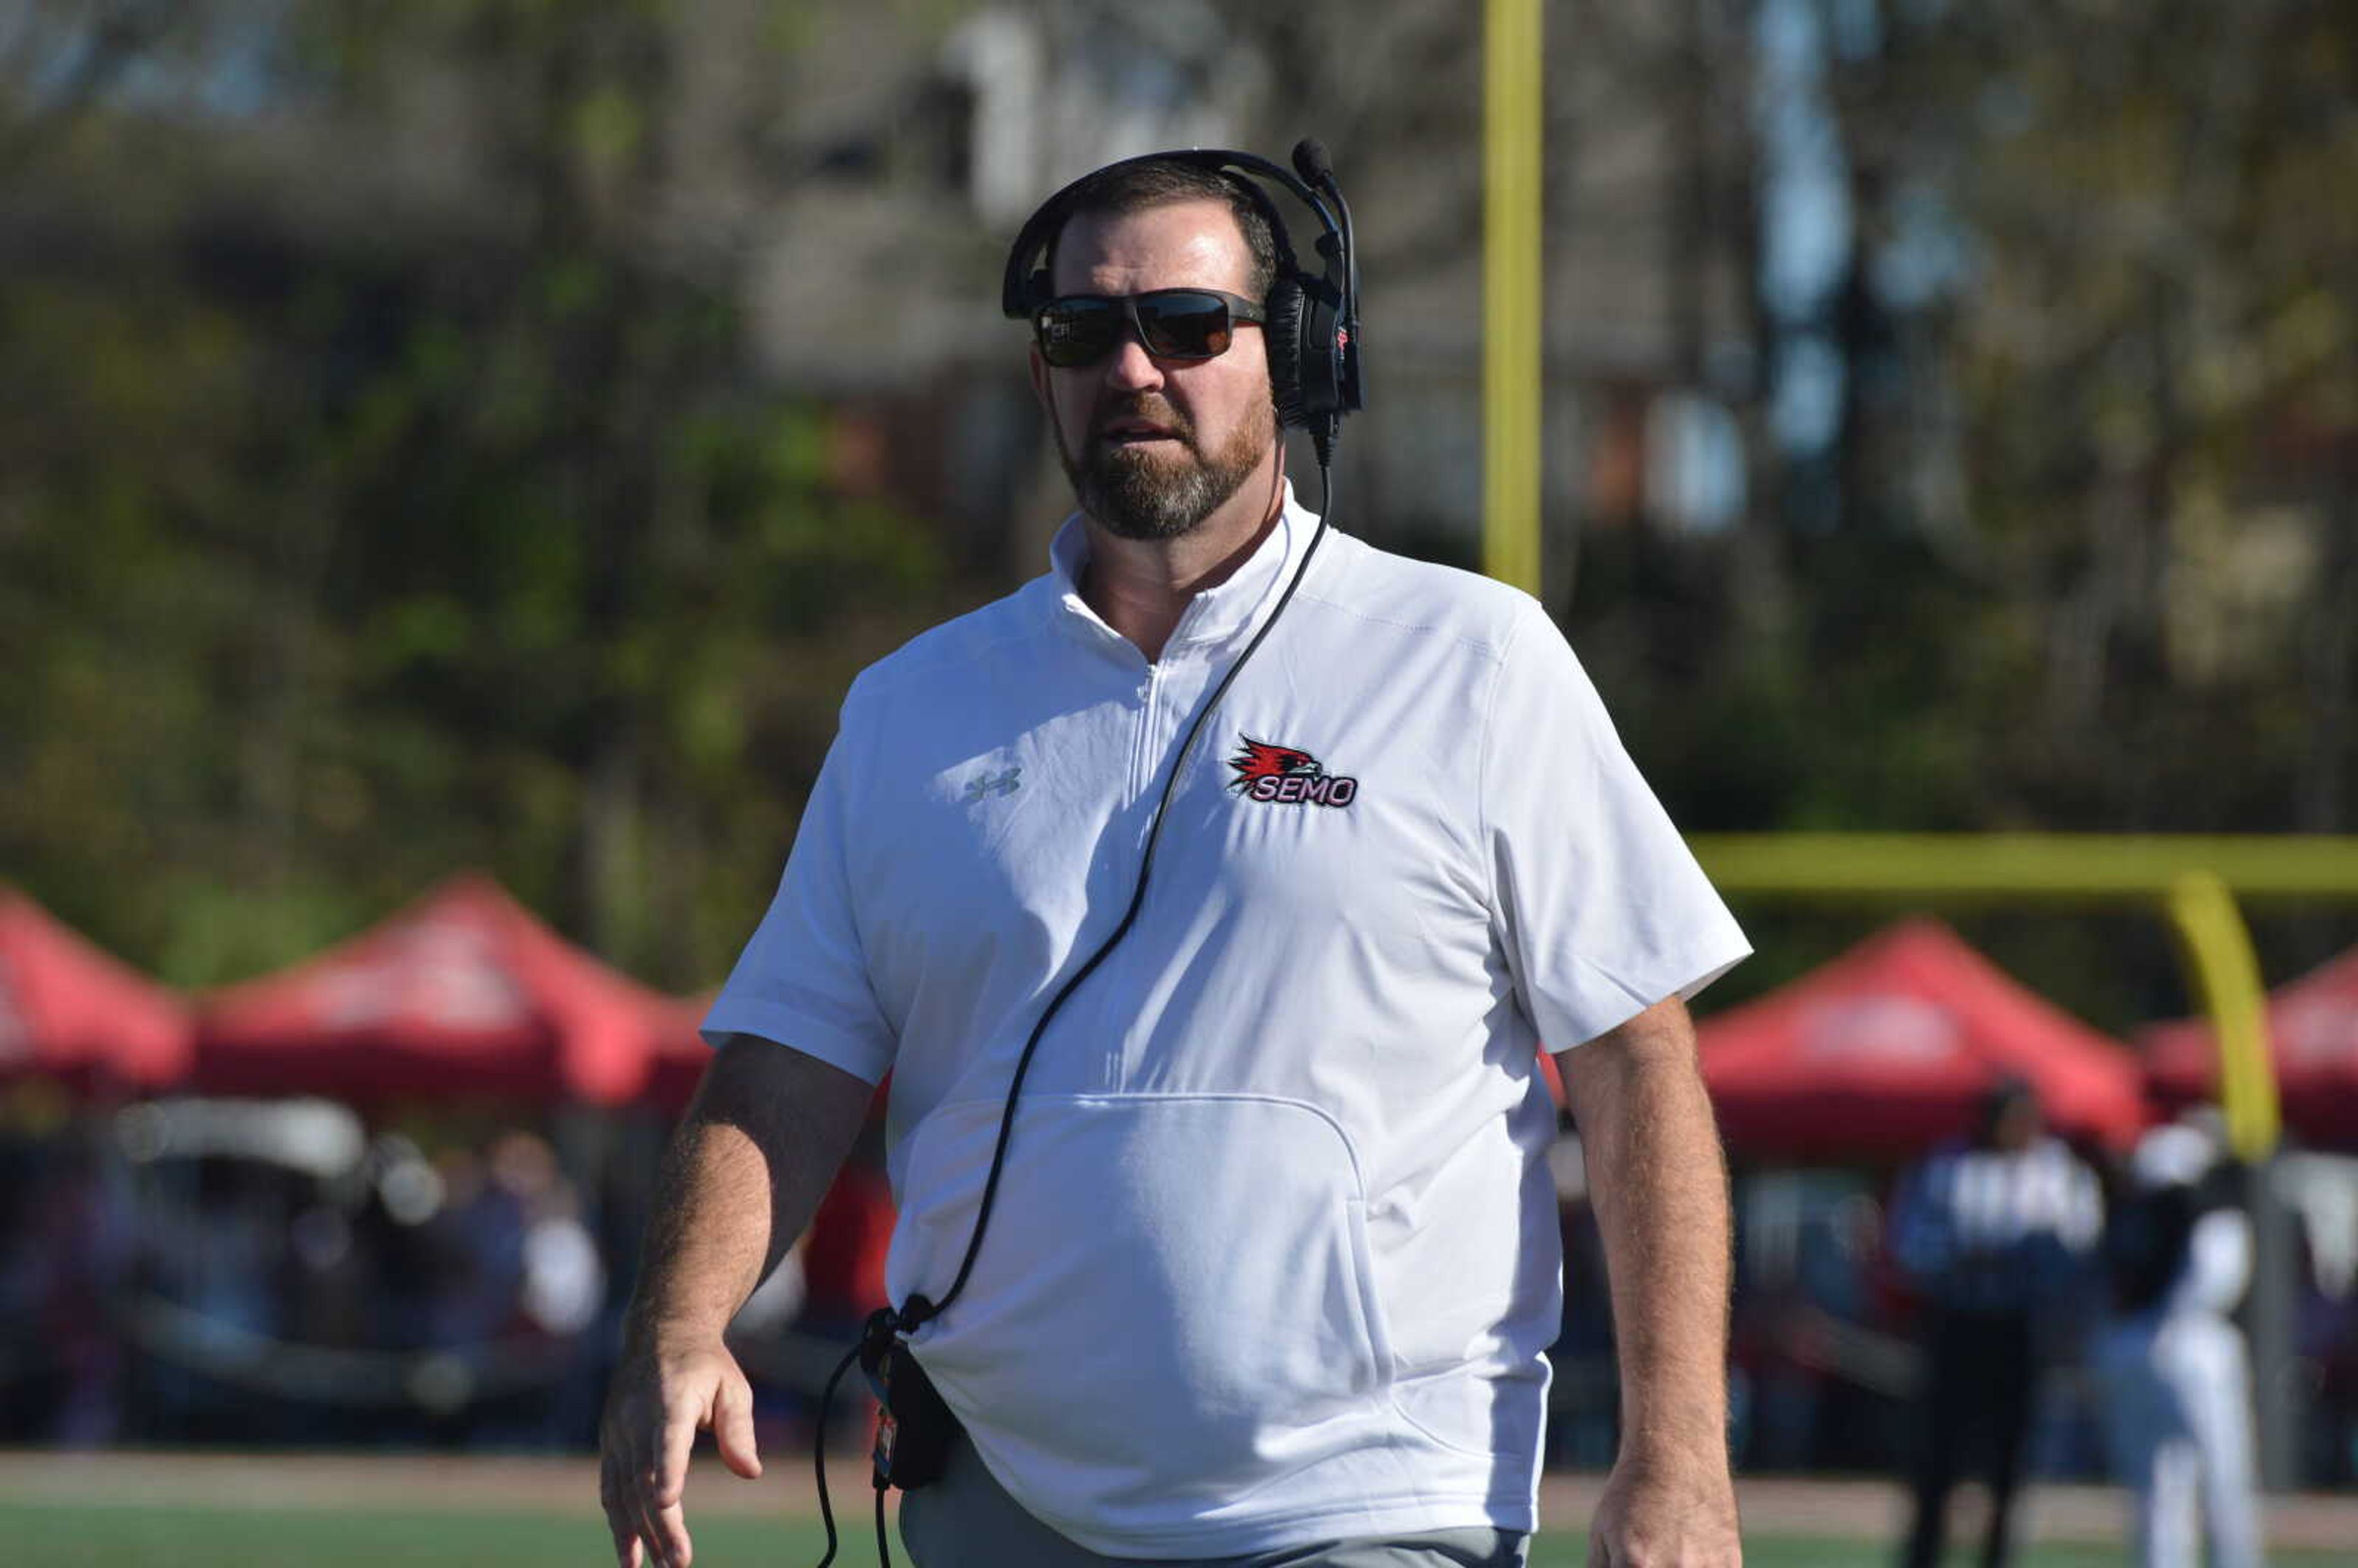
(965, 1520)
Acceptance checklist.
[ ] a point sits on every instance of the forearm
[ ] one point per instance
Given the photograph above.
(752, 1158)
(1659, 1186)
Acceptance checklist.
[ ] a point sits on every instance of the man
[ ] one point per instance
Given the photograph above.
(2177, 1377)
(1274, 1258)
(1993, 1231)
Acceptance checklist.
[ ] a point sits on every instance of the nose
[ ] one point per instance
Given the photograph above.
(1130, 367)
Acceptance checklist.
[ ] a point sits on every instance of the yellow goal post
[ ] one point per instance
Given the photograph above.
(2197, 883)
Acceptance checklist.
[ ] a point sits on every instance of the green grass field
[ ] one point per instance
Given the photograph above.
(135, 1537)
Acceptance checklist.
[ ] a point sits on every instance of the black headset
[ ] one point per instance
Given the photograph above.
(1313, 322)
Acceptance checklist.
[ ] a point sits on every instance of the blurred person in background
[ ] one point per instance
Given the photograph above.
(520, 1283)
(562, 1292)
(2177, 1253)
(1580, 1362)
(476, 1237)
(67, 1238)
(1993, 1231)
(1276, 1259)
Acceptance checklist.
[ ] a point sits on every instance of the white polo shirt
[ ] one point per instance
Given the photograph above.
(1275, 1253)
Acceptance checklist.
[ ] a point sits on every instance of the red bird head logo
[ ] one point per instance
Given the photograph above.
(1260, 760)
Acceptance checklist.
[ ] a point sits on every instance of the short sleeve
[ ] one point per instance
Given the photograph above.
(802, 980)
(1602, 909)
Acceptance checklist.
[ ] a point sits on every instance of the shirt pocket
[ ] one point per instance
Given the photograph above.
(1175, 1300)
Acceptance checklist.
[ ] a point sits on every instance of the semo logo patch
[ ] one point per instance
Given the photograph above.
(1285, 776)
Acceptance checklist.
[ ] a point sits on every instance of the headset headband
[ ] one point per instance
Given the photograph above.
(1018, 297)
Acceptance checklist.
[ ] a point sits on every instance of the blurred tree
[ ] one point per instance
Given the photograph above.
(386, 481)
(347, 537)
(2039, 360)
(58, 56)
(2139, 294)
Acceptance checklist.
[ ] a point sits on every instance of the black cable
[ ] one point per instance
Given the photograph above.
(818, 1448)
(918, 1311)
(915, 1313)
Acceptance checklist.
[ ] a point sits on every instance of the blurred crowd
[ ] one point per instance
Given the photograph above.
(202, 1271)
(1833, 1340)
(188, 1271)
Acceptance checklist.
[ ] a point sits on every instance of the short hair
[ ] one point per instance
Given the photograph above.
(1125, 188)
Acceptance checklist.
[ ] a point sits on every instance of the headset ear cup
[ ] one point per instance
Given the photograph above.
(1283, 332)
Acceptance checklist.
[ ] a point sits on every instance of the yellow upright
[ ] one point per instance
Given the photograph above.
(1513, 322)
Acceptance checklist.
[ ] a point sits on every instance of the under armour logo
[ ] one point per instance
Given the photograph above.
(990, 785)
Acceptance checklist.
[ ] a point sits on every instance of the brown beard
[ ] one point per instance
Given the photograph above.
(1136, 494)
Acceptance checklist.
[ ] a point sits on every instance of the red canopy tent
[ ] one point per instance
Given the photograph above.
(464, 992)
(68, 1010)
(1887, 1050)
(2313, 1038)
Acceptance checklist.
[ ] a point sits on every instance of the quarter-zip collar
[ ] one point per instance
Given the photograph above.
(1216, 617)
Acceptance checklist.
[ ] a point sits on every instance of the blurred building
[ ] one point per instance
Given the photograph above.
(852, 175)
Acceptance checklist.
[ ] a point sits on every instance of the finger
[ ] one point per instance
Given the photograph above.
(644, 1510)
(665, 1521)
(619, 1523)
(670, 1477)
(672, 1548)
(732, 1427)
(663, 1526)
(648, 1528)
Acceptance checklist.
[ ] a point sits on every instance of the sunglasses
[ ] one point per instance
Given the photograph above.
(1171, 323)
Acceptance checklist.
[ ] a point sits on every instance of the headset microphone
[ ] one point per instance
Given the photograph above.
(1311, 162)
(1312, 331)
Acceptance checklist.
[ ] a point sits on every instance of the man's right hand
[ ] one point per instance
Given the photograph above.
(659, 1397)
(754, 1155)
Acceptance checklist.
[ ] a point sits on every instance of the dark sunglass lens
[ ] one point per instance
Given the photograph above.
(1075, 332)
(1185, 326)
